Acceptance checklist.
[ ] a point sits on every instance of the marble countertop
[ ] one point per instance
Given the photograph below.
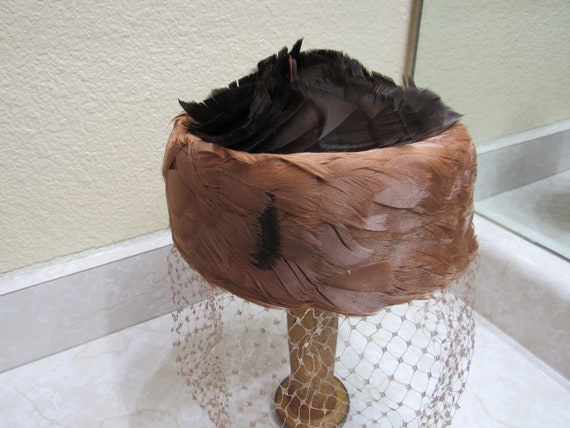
(536, 211)
(129, 379)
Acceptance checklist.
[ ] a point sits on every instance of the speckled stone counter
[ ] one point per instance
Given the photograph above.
(128, 379)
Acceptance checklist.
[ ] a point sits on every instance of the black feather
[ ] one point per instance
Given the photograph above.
(319, 100)
(270, 245)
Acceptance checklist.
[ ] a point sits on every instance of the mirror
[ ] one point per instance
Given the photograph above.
(506, 67)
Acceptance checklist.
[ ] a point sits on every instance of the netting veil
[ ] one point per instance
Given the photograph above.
(403, 367)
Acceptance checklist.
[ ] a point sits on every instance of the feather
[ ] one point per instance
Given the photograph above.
(269, 249)
(319, 100)
(313, 182)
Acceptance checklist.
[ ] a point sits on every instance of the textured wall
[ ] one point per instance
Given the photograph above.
(504, 64)
(87, 91)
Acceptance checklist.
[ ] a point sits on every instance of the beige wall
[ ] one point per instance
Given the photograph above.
(87, 91)
(504, 64)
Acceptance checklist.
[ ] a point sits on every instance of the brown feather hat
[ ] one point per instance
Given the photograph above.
(346, 231)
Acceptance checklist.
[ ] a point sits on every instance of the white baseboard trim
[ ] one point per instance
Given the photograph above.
(69, 265)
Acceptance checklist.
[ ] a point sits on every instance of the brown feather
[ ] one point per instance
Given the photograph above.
(357, 231)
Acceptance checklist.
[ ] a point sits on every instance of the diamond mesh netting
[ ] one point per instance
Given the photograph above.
(251, 366)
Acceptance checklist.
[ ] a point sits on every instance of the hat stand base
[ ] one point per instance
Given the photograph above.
(311, 396)
(294, 415)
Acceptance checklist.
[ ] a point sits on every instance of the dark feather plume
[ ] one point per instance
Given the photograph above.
(317, 101)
